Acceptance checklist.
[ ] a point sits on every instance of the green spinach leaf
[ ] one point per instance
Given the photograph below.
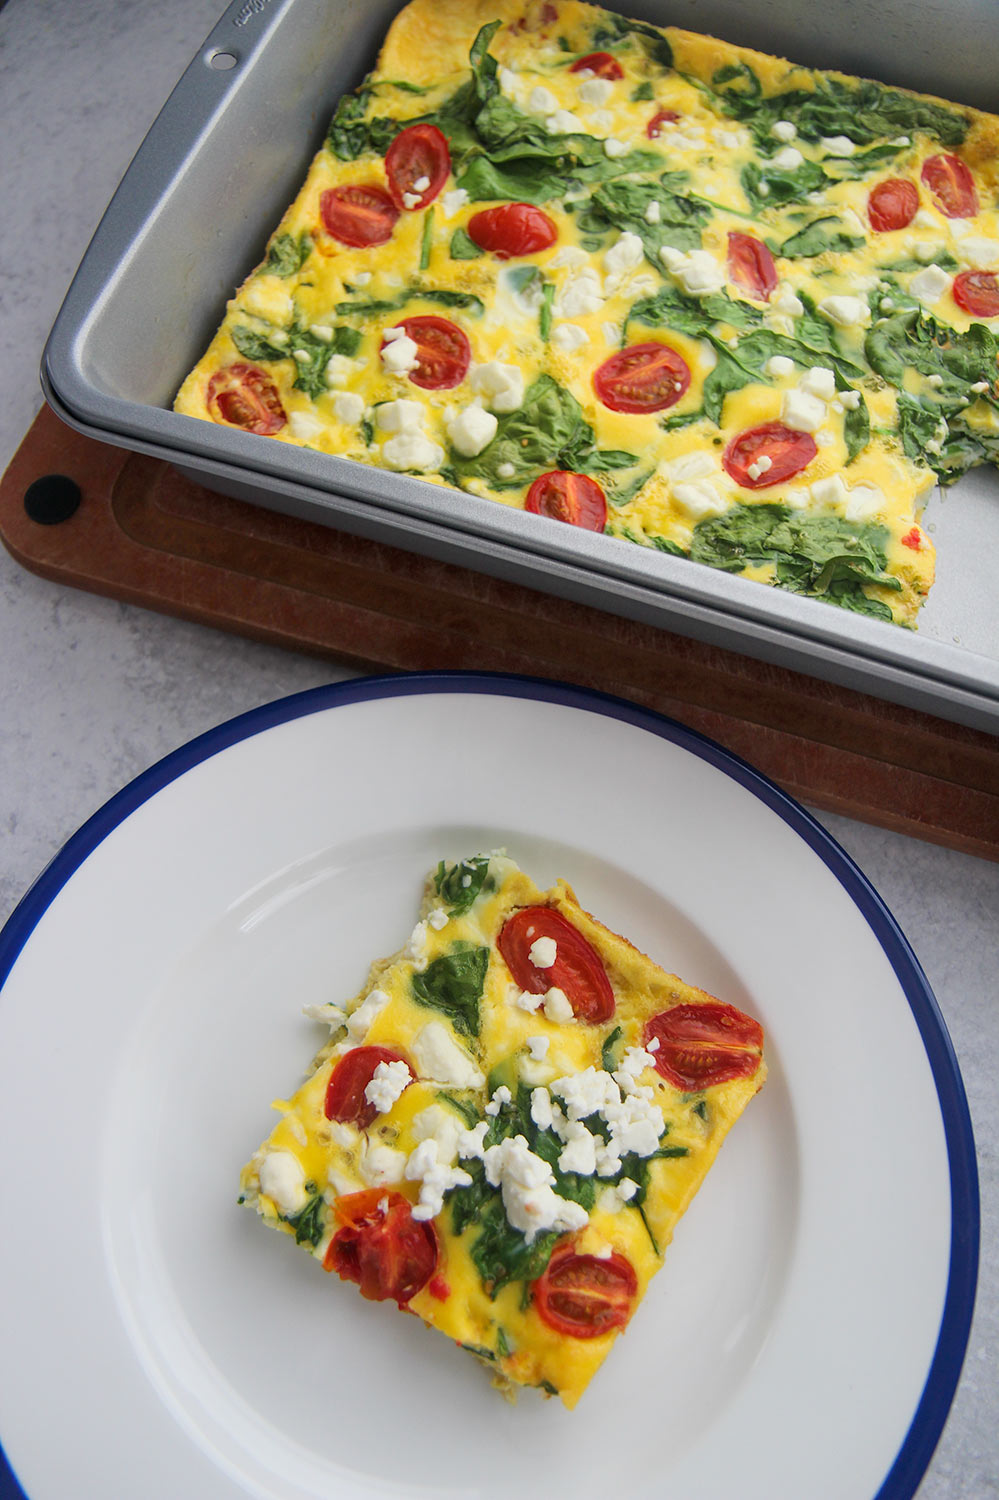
(287, 253)
(310, 353)
(819, 237)
(310, 1224)
(453, 984)
(766, 185)
(352, 135)
(614, 29)
(820, 555)
(463, 247)
(460, 885)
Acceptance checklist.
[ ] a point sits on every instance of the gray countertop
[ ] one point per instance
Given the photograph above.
(94, 691)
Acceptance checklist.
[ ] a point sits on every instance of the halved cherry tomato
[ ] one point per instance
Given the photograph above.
(704, 1044)
(750, 265)
(577, 971)
(950, 181)
(584, 1296)
(443, 352)
(243, 396)
(388, 1253)
(565, 496)
(345, 1098)
(978, 293)
(359, 214)
(659, 119)
(600, 64)
(642, 378)
(788, 450)
(419, 152)
(512, 229)
(892, 204)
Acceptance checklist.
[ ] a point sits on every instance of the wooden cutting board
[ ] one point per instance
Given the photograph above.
(143, 533)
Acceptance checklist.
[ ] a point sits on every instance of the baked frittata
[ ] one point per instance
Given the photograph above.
(506, 1125)
(642, 281)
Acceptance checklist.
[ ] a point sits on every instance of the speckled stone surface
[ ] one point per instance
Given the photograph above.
(93, 692)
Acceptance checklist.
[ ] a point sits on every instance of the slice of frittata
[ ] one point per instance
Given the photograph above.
(506, 1125)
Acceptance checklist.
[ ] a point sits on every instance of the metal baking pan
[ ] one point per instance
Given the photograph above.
(228, 153)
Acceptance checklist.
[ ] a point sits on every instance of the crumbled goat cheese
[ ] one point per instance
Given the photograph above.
(502, 386)
(412, 450)
(348, 408)
(388, 1082)
(787, 159)
(399, 353)
(838, 145)
(846, 311)
(818, 381)
(282, 1179)
(543, 952)
(527, 1186)
(569, 337)
(802, 412)
(333, 1015)
(699, 498)
(929, 285)
(438, 1057)
(453, 200)
(779, 366)
(472, 430)
(500, 1097)
(626, 254)
(556, 1006)
(360, 1021)
(382, 1166)
(595, 90)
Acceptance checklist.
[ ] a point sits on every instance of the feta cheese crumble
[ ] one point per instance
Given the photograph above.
(543, 952)
(527, 1183)
(388, 1083)
(439, 1057)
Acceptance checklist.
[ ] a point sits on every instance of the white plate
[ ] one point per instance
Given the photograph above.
(806, 1334)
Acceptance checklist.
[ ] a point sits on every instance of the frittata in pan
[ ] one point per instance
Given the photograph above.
(641, 281)
(506, 1125)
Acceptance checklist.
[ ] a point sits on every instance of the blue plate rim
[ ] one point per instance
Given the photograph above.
(926, 1426)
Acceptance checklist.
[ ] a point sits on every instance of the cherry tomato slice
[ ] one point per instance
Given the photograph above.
(577, 971)
(345, 1098)
(659, 119)
(892, 204)
(443, 352)
(381, 1247)
(512, 229)
(243, 396)
(704, 1044)
(788, 450)
(950, 181)
(565, 496)
(978, 293)
(751, 266)
(642, 378)
(359, 214)
(600, 64)
(419, 153)
(584, 1296)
